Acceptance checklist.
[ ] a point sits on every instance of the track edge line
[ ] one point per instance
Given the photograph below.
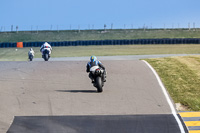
(167, 97)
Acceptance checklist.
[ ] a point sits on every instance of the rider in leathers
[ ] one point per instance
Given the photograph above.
(46, 46)
(31, 52)
(95, 62)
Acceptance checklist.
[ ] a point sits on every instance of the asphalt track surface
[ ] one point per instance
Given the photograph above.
(125, 57)
(57, 97)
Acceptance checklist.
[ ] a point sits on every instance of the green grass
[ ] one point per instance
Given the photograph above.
(10, 54)
(181, 77)
(73, 35)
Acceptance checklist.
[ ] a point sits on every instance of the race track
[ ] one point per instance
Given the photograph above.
(34, 92)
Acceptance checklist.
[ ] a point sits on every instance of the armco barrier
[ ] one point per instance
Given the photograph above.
(108, 42)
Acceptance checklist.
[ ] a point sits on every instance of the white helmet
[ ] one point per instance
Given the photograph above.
(46, 43)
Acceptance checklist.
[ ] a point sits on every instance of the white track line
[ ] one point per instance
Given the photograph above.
(167, 97)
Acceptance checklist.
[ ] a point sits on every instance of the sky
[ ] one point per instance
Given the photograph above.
(95, 14)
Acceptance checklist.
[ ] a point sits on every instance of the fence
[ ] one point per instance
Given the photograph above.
(109, 42)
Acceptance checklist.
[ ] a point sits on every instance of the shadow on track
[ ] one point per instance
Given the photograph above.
(78, 91)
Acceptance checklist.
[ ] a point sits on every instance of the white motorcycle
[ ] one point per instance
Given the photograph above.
(97, 74)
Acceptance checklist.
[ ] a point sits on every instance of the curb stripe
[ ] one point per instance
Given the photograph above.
(167, 97)
(194, 128)
(191, 118)
(192, 123)
(190, 114)
(194, 131)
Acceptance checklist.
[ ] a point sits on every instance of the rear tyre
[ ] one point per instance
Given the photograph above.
(99, 84)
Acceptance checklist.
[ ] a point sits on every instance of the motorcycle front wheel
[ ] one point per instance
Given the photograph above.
(30, 57)
(46, 57)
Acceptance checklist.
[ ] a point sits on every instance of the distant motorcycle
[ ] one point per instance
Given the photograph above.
(46, 55)
(97, 74)
(30, 56)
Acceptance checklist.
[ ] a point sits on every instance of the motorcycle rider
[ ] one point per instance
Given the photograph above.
(95, 62)
(45, 46)
(31, 52)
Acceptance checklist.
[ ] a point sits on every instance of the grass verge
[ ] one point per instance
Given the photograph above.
(181, 77)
